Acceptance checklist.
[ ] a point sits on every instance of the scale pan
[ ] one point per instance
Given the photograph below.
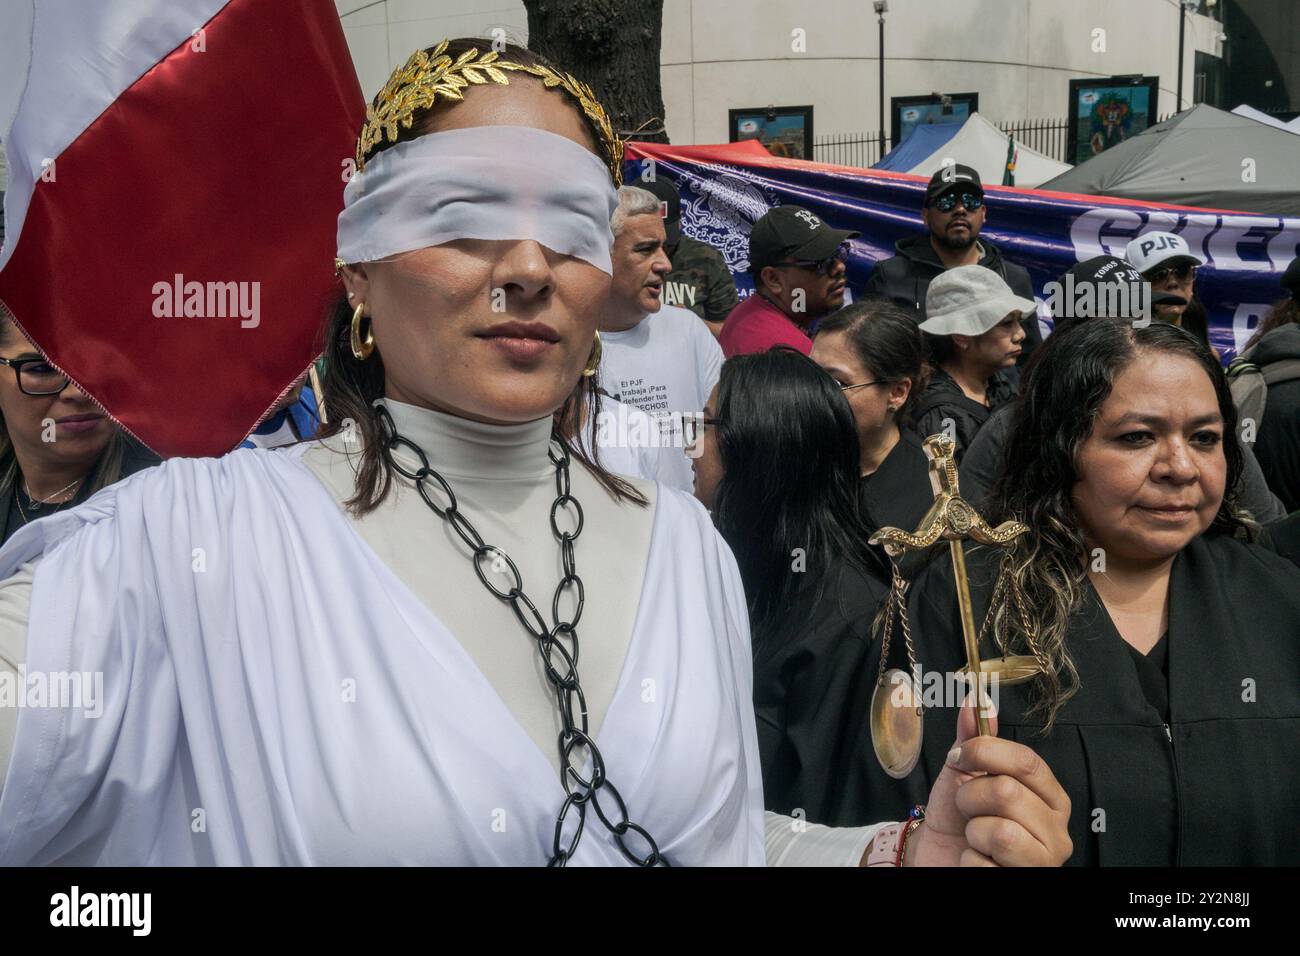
(896, 723)
(1015, 669)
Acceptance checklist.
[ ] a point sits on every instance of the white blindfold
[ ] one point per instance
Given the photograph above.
(482, 182)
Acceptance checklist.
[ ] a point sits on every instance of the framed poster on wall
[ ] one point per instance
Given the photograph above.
(1106, 112)
(909, 112)
(786, 131)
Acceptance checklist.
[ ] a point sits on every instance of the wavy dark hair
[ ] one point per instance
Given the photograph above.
(789, 448)
(352, 386)
(888, 343)
(1066, 385)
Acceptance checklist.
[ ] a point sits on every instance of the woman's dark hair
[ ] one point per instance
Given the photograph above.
(940, 348)
(1196, 320)
(1285, 312)
(888, 343)
(1064, 389)
(789, 448)
(352, 386)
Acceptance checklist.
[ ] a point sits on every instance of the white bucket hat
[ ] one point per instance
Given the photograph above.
(970, 300)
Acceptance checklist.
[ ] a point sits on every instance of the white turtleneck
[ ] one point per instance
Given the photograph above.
(505, 485)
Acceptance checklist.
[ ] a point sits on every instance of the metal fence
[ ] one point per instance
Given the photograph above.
(848, 149)
(1049, 136)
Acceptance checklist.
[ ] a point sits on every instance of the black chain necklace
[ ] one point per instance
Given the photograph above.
(559, 661)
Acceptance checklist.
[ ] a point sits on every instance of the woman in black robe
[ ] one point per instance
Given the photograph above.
(1170, 704)
(779, 468)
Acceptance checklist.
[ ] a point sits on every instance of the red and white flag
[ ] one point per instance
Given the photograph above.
(175, 172)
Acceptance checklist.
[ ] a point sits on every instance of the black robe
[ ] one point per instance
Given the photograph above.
(811, 693)
(1217, 783)
(898, 493)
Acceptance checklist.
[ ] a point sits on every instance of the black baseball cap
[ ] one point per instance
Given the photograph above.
(670, 205)
(952, 176)
(1106, 270)
(1112, 269)
(792, 232)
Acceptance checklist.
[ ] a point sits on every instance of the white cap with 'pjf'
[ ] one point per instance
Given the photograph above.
(1154, 249)
(970, 300)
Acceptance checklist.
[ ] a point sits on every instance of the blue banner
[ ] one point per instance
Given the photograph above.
(725, 189)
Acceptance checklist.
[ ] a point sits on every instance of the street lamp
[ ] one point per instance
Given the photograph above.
(881, 8)
(1184, 7)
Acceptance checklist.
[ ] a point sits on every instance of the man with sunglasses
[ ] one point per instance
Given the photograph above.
(798, 265)
(953, 214)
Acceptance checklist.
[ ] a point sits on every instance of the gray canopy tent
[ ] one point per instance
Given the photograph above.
(1198, 158)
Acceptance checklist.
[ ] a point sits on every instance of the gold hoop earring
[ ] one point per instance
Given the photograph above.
(361, 348)
(593, 360)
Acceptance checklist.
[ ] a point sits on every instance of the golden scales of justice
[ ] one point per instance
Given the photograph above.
(896, 704)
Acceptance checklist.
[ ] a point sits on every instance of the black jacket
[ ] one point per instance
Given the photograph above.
(943, 400)
(1277, 446)
(906, 277)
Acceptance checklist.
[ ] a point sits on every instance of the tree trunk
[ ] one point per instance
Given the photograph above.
(613, 47)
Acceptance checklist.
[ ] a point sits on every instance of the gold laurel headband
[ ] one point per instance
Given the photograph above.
(428, 76)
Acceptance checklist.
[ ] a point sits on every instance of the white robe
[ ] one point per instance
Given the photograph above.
(273, 694)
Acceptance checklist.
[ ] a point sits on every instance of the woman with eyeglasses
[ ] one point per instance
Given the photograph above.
(875, 353)
(974, 328)
(56, 447)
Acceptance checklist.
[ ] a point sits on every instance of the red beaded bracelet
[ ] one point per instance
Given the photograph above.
(914, 820)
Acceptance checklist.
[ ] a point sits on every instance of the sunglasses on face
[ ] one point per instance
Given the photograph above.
(948, 202)
(1182, 272)
(823, 267)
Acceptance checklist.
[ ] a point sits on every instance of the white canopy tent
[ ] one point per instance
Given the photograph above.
(1251, 113)
(982, 145)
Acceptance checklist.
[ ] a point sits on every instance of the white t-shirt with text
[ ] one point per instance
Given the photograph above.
(666, 365)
